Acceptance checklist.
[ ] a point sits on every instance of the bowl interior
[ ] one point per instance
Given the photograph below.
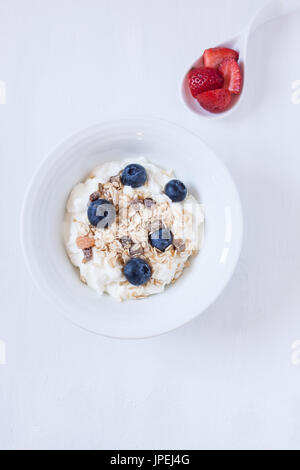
(167, 146)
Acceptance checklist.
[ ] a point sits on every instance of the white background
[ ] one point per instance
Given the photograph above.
(226, 380)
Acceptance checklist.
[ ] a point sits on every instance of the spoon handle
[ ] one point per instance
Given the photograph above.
(273, 9)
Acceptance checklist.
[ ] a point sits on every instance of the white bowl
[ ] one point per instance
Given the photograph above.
(167, 146)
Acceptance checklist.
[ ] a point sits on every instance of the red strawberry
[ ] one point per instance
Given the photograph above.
(232, 75)
(203, 79)
(214, 57)
(215, 101)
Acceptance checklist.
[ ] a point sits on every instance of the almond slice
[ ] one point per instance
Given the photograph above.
(95, 196)
(136, 250)
(179, 245)
(88, 255)
(85, 242)
(149, 202)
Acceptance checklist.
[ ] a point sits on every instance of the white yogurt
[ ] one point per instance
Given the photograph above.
(104, 272)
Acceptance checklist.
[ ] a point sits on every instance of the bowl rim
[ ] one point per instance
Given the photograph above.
(78, 136)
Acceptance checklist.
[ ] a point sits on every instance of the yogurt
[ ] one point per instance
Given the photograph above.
(101, 253)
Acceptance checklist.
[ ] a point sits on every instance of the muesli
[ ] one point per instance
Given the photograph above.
(131, 229)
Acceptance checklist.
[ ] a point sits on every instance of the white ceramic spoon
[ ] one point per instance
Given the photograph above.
(239, 43)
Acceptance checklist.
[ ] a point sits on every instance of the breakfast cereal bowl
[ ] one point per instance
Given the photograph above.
(165, 146)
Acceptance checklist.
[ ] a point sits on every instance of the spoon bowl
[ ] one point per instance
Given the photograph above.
(239, 43)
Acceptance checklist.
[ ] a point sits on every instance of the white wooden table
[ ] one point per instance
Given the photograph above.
(230, 378)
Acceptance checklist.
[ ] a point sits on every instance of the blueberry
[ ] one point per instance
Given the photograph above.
(134, 175)
(176, 190)
(101, 213)
(161, 239)
(137, 271)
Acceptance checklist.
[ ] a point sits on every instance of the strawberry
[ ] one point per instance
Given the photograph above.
(214, 57)
(204, 79)
(232, 75)
(215, 101)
